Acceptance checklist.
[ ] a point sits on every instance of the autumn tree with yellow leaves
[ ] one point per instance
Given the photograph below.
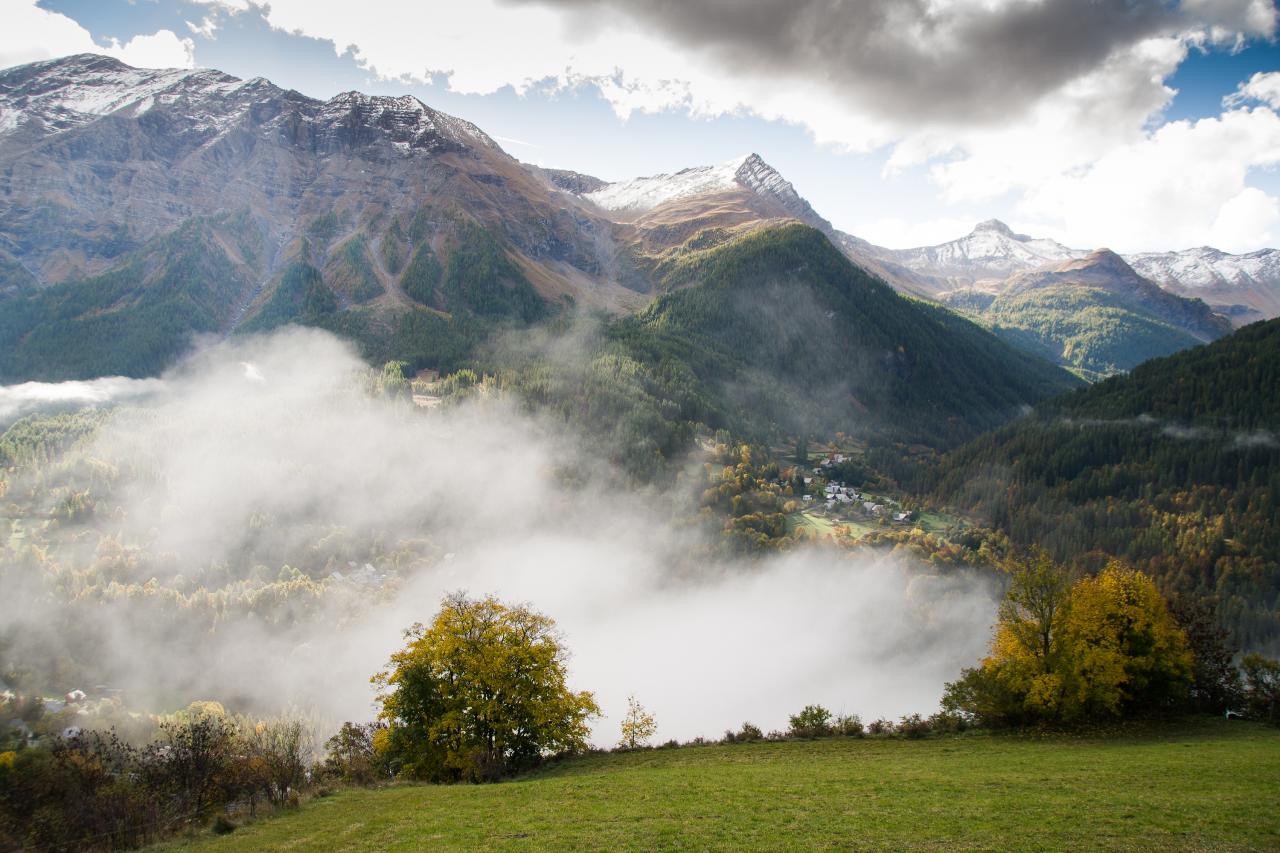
(638, 726)
(478, 693)
(1103, 647)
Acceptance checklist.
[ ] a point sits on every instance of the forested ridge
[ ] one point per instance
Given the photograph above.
(1174, 468)
(776, 334)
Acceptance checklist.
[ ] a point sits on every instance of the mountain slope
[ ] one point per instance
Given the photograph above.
(1094, 314)
(1174, 467)
(1244, 287)
(141, 152)
(137, 318)
(784, 329)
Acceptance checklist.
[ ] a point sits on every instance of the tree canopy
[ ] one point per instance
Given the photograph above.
(1103, 647)
(478, 693)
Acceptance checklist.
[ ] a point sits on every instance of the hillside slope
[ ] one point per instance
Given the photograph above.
(770, 336)
(782, 327)
(1174, 467)
(939, 793)
(100, 163)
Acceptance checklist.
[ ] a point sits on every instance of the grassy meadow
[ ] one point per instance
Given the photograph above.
(1203, 785)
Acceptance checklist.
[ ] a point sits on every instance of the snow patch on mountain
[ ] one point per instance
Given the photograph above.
(641, 194)
(749, 172)
(404, 119)
(1205, 268)
(67, 93)
(991, 250)
(63, 94)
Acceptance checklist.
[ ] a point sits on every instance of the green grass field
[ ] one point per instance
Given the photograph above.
(1207, 785)
(935, 522)
(822, 526)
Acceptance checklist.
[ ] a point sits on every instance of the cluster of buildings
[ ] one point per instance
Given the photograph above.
(837, 495)
(75, 704)
(365, 577)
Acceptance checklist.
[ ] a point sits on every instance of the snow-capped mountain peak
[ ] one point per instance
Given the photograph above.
(1205, 267)
(407, 121)
(44, 99)
(62, 94)
(1000, 228)
(640, 194)
(58, 95)
(992, 250)
(1252, 279)
(749, 172)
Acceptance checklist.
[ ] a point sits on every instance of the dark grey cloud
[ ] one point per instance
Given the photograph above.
(905, 59)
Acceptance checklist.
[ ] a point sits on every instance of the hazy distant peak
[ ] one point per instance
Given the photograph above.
(1101, 260)
(999, 227)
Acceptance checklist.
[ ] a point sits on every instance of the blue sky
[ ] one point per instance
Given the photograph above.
(897, 171)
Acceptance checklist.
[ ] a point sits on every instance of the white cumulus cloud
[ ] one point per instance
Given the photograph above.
(1182, 185)
(1039, 106)
(1263, 86)
(31, 34)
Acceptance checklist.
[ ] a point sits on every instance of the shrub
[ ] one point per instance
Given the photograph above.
(96, 790)
(913, 726)
(1262, 687)
(880, 727)
(812, 721)
(747, 734)
(849, 725)
(945, 722)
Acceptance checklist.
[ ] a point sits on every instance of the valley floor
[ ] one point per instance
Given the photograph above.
(1203, 785)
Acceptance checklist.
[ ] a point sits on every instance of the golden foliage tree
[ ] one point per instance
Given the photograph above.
(1127, 653)
(1028, 648)
(637, 726)
(479, 692)
(1103, 647)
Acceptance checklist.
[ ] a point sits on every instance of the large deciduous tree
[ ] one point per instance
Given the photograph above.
(1103, 647)
(478, 693)
(1127, 653)
(1028, 647)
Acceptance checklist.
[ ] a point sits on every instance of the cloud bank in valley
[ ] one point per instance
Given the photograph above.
(17, 400)
(294, 450)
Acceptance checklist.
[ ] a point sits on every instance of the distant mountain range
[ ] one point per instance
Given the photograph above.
(1094, 314)
(1243, 287)
(138, 207)
(1089, 311)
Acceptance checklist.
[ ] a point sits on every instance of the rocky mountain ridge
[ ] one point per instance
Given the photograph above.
(366, 207)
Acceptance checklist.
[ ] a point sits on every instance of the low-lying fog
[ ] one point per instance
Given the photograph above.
(278, 427)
